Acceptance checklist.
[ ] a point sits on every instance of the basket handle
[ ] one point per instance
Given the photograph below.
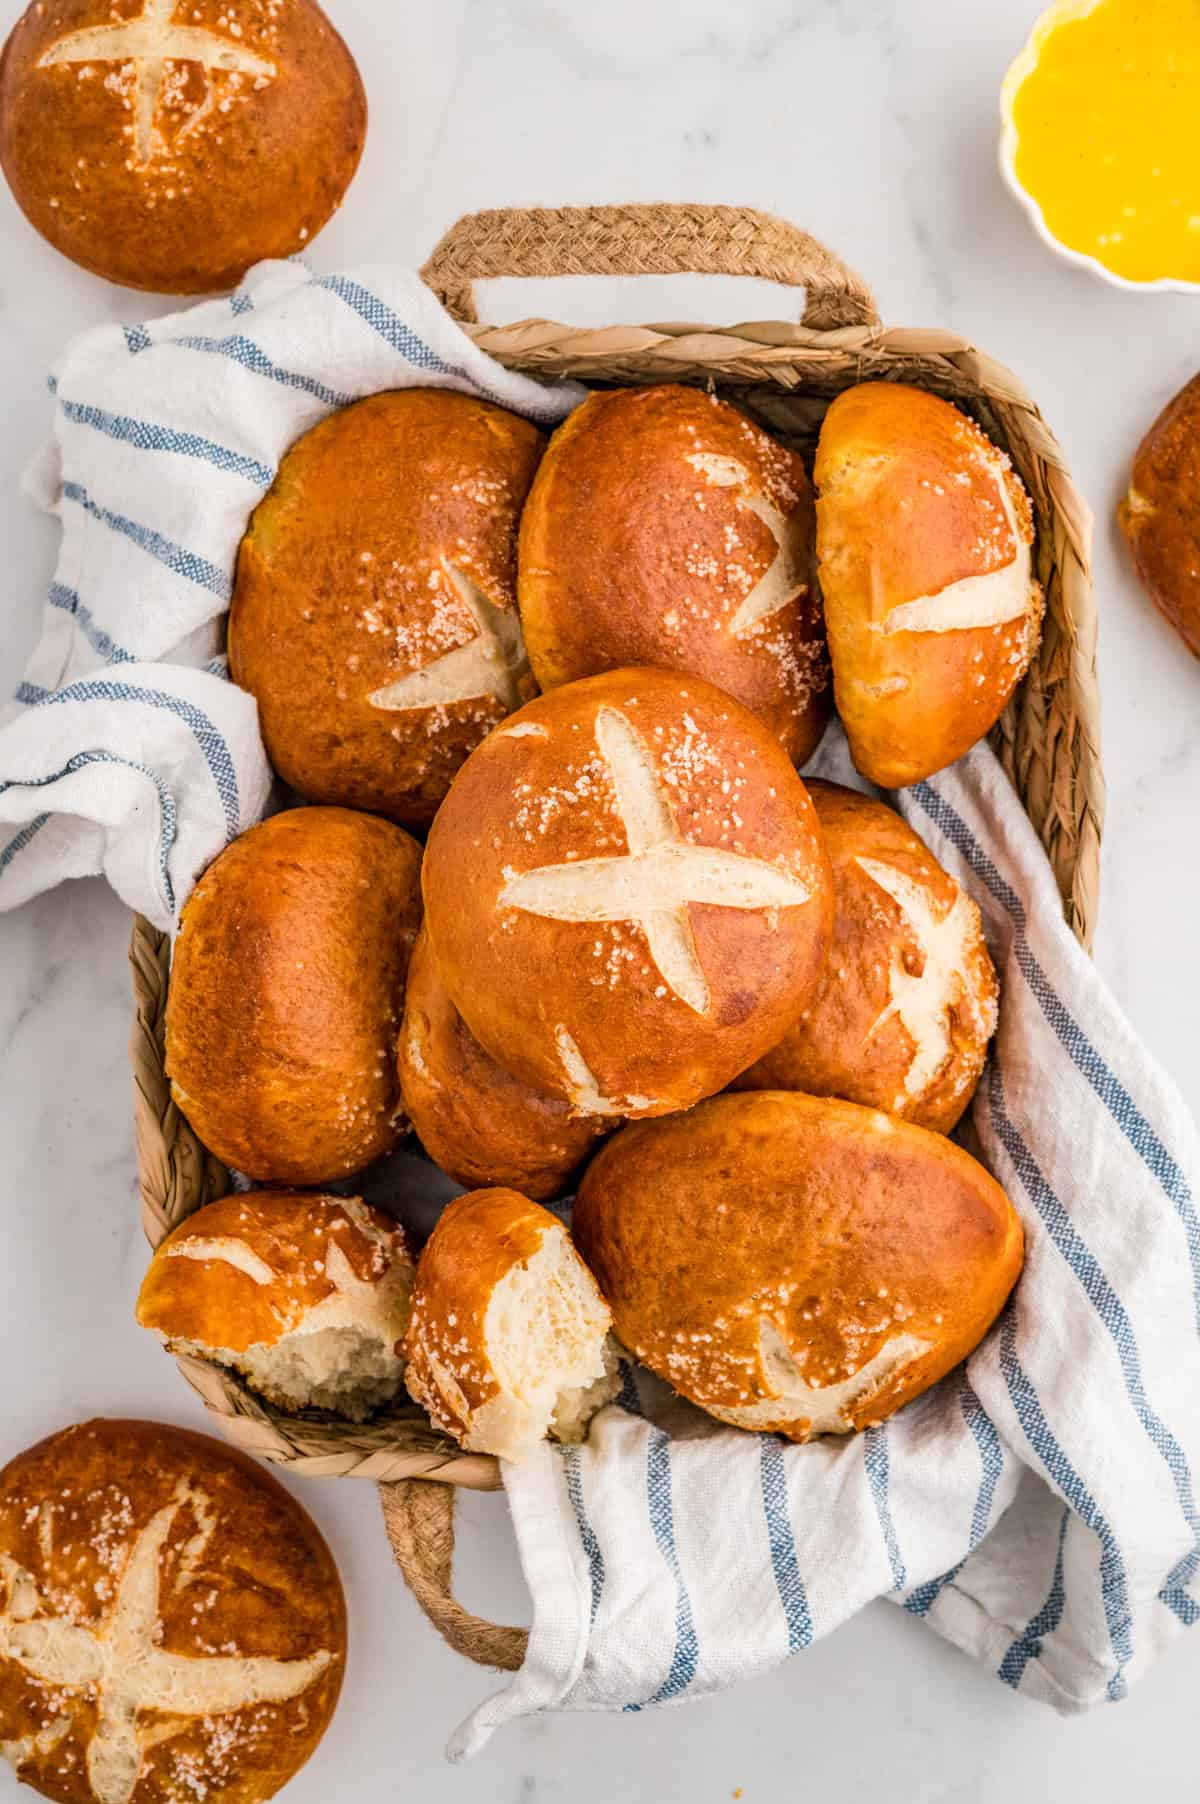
(665, 239)
(418, 1514)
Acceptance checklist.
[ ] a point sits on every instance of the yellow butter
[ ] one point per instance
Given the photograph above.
(1103, 115)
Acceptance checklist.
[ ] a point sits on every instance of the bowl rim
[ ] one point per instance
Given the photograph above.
(1019, 70)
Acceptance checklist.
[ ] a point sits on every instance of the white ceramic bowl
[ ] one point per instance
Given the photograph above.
(1053, 16)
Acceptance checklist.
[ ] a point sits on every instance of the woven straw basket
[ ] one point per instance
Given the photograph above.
(784, 375)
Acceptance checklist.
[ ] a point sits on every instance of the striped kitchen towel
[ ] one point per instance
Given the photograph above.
(1039, 1507)
(125, 750)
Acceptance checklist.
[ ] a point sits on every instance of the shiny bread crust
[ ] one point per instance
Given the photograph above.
(483, 1126)
(632, 552)
(286, 993)
(227, 166)
(913, 499)
(870, 1034)
(254, 1267)
(202, 1557)
(350, 579)
(585, 1008)
(1160, 515)
(839, 1227)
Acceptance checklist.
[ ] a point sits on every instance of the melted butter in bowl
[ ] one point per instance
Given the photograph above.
(1101, 137)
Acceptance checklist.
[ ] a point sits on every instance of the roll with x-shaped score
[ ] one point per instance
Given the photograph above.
(626, 892)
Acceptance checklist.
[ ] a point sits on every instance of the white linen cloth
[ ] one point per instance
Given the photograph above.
(125, 751)
(1039, 1507)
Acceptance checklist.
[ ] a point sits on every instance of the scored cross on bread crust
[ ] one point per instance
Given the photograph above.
(924, 544)
(795, 1264)
(902, 1014)
(171, 1623)
(665, 527)
(374, 616)
(170, 144)
(626, 892)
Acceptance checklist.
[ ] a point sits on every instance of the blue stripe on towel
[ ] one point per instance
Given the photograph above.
(387, 322)
(991, 1459)
(209, 739)
(30, 694)
(241, 303)
(168, 816)
(628, 1397)
(877, 1467)
(20, 840)
(1114, 1581)
(68, 601)
(176, 558)
(1112, 1312)
(686, 1657)
(1185, 1608)
(1107, 1086)
(253, 358)
(145, 435)
(138, 339)
(573, 1472)
(1028, 1646)
(782, 1542)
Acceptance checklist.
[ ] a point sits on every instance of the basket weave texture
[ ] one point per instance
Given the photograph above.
(784, 375)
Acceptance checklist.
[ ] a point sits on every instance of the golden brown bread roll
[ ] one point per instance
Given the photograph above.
(374, 615)
(1160, 515)
(287, 988)
(626, 892)
(665, 528)
(923, 542)
(483, 1126)
(306, 1296)
(172, 1625)
(792, 1264)
(906, 1004)
(170, 145)
(508, 1340)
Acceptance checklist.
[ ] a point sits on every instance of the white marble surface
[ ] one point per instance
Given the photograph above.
(873, 123)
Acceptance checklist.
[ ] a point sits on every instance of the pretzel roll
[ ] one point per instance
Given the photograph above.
(374, 615)
(924, 536)
(287, 988)
(902, 1015)
(792, 1264)
(170, 144)
(306, 1296)
(477, 1122)
(508, 1340)
(626, 892)
(665, 528)
(1160, 515)
(172, 1625)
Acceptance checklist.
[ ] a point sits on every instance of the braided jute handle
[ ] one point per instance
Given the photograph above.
(666, 239)
(419, 1518)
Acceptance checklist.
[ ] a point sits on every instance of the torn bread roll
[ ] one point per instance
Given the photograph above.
(286, 993)
(924, 545)
(793, 1264)
(508, 1340)
(906, 1004)
(1160, 515)
(374, 615)
(172, 1625)
(307, 1297)
(666, 528)
(481, 1125)
(626, 892)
